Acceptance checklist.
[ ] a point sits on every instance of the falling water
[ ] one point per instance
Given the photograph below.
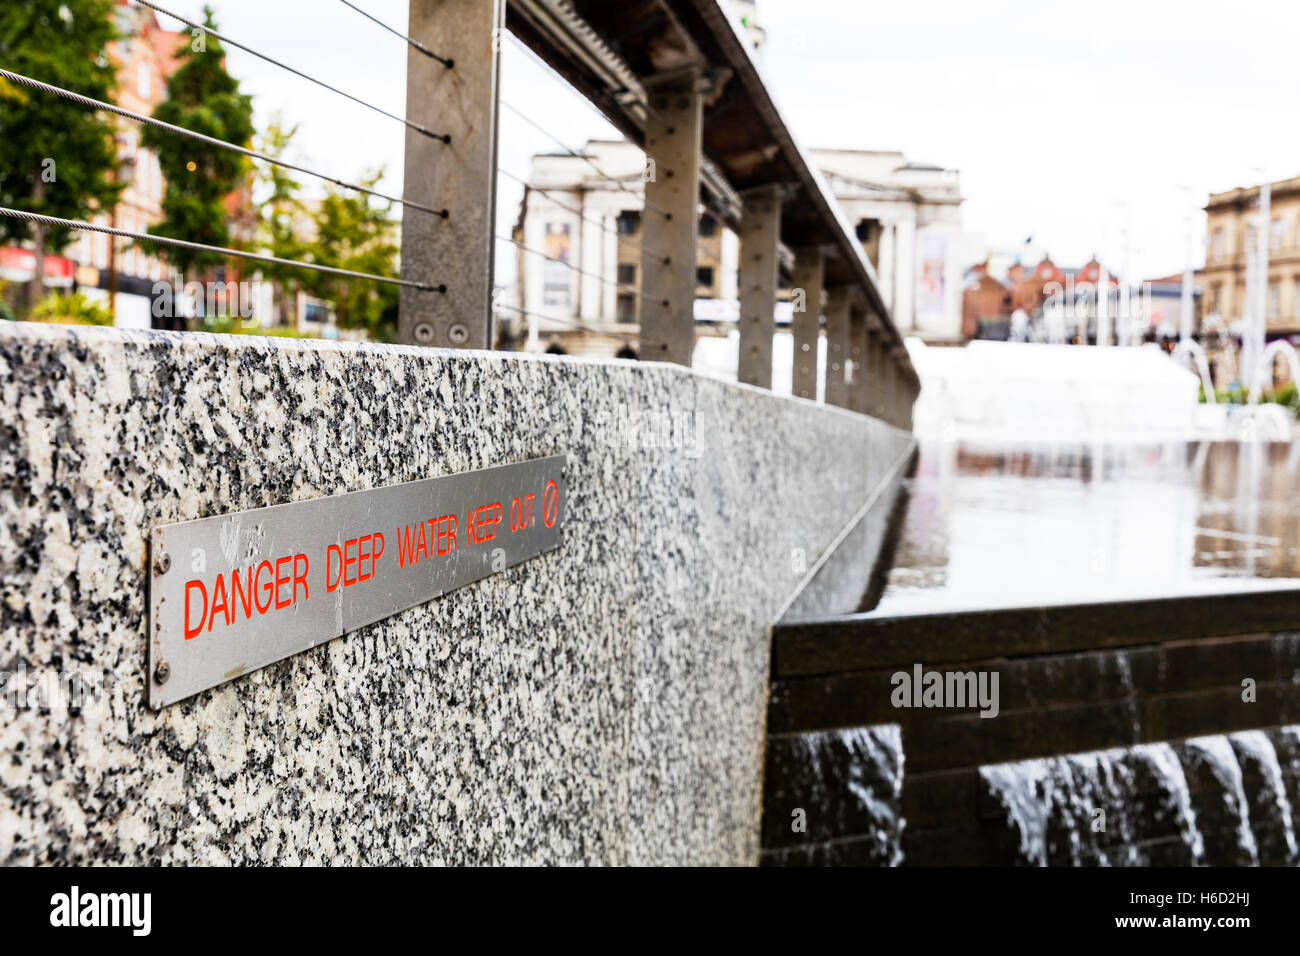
(847, 783)
(1211, 766)
(1218, 800)
(1269, 806)
(1103, 808)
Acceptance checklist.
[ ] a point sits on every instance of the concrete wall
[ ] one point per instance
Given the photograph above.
(602, 703)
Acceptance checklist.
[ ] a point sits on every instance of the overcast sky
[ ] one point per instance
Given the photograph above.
(1069, 122)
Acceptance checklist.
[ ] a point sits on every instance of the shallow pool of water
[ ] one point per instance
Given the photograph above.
(992, 526)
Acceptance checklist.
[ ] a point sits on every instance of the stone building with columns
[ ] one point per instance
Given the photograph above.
(907, 215)
(586, 214)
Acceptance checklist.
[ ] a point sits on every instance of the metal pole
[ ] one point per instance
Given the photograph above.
(673, 136)
(805, 326)
(458, 176)
(859, 343)
(1185, 304)
(1258, 323)
(760, 239)
(837, 345)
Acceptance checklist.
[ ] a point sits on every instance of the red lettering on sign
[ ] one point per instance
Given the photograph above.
(300, 578)
(280, 581)
(349, 561)
(219, 604)
(417, 542)
(422, 548)
(193, 632)
(241, 593)
(446, 534)
(405, 549)
(245, 592)
(258, 590)
(332, 583)
(550, 504)
(482, 522)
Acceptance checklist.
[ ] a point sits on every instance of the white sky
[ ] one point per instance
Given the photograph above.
(1069, 122)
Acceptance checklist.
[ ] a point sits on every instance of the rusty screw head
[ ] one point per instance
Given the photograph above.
(162, 672)
(162, 564)
(458, 334)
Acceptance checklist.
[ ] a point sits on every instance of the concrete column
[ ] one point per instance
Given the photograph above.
(837, 345)
(873, 369)
(859, 379)
(805, 327)
(459, 176)
(760, 236)
(893, 382)
(672, 142)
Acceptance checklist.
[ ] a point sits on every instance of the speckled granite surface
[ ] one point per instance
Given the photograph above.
(603, 703)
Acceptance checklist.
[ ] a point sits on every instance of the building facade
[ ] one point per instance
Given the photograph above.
(145, 58)
(578, 255)
(1231, 223)
(578, 249)
(908, 218)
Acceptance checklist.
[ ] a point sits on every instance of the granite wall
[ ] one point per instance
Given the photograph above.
(602, 703)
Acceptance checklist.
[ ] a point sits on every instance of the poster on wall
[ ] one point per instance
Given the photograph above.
(556, 272)
(931, 301)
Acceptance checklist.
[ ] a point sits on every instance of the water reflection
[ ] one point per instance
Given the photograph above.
(998, 526)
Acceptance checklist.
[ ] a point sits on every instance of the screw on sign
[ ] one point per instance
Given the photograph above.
(550, 504)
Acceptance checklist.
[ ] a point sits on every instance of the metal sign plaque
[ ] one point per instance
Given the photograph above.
(233, 593)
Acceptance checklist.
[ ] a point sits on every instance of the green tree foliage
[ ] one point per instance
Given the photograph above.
(201, 96)
(354, 233)
(281, 213)
(74, 309)
(56, 158)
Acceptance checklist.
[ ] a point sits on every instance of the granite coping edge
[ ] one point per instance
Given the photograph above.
(54, 333)
(869, 640)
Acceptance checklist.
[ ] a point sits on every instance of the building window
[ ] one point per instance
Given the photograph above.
(1216, 244)
(629, 223)
(1274, 300)
(708, 226)
(626, 308)
(704, 276)
(1275, 235)
(142, 87)
(626, 273)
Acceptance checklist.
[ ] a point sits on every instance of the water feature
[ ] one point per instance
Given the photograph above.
(824, 784)
(1192, 351)
(1268, 360)
(1219, 800)
(985, 525)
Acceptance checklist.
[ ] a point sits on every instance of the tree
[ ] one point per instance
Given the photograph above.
(280, 212)
(352, 233)
(203, 97)
(56, 158)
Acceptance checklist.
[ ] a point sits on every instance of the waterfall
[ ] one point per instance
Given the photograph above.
(1123, 806)
(848, 783)
(1221, 800)
(1270, 809)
